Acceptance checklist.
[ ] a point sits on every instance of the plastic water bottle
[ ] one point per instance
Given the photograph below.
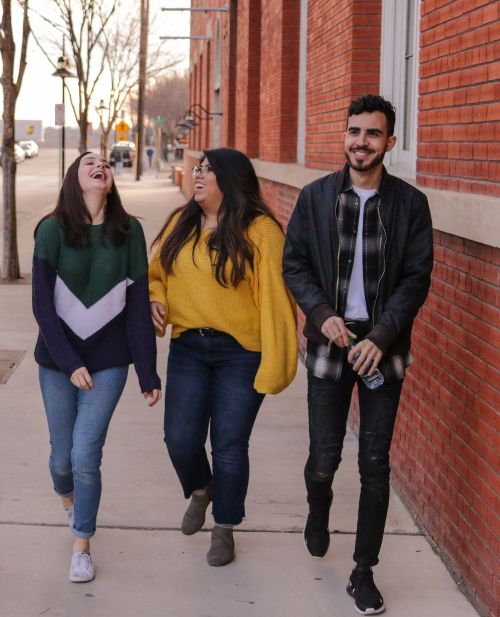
(374, 381)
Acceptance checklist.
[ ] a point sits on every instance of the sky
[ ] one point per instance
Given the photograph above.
(40, 91)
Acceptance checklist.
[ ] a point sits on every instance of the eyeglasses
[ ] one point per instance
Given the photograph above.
(201, 169)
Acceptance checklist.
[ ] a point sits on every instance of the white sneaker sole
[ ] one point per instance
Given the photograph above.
(371, 611)
(77, 579)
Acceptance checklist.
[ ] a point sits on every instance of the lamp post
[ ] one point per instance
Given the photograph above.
(62, 72)
(100, 110)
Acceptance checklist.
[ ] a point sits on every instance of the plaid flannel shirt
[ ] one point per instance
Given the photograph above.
(327, 361)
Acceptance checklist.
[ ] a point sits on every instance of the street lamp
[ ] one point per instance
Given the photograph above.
(62, 72)
(100, 110)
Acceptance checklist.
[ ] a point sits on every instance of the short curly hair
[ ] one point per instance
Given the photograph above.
(368, 103)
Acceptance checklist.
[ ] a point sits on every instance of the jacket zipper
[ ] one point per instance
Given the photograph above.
(329, 344)
(337, 265)
(383, 270)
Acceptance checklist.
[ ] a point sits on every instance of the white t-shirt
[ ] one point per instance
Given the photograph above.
(356, 301)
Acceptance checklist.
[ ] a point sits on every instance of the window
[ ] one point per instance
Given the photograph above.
(217, 85)
(301, 124)
(399, 79)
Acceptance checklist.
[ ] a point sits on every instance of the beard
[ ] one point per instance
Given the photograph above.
(364, 165)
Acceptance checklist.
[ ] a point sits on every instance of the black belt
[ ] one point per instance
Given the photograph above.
(361, 328)
(208, 332)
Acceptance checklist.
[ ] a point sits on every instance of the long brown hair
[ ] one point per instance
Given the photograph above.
(241, 203)
(72, 214)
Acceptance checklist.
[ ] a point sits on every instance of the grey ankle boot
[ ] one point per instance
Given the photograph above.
(221, 547)
(194, 517)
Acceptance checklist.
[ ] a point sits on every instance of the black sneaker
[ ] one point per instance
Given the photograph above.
(367, 598)
(316, 533)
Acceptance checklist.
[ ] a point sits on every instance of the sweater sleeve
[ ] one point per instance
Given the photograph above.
(47, 248)
(140, 331)
(158, 281)
(278, 324)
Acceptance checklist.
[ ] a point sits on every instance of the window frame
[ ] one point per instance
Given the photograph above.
(393, 81)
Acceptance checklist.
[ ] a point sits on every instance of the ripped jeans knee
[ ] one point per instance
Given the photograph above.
(318, 473)
(323, 462)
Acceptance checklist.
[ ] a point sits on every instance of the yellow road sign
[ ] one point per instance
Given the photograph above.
(122, 127)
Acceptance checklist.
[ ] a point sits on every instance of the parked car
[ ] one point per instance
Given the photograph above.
(30, 148)
(124, 144)
(127, 154)
(19, 155)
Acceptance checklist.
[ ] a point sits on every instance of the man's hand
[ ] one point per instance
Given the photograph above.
(81, 379)
(334, 329)
(152, 397)
(158, 315)
(368, 358)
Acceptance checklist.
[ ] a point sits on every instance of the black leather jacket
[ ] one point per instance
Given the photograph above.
(311, 253)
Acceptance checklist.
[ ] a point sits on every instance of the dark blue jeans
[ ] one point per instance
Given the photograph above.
(210, 384)
(329, 404)
(78, 424)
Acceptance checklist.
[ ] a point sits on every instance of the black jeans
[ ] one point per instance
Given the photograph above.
(329, 403)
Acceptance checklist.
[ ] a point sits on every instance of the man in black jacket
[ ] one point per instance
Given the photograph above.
(358, 260)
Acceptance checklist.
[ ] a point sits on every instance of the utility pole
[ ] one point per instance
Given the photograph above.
(143, 52)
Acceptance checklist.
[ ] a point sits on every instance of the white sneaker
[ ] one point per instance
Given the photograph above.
(70, 515)
(82, 568)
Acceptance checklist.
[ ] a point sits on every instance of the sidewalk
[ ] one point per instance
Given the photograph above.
(145, 566)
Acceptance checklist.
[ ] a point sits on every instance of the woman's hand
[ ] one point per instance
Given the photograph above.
(158, 315)
(81, 379)
(152, 397)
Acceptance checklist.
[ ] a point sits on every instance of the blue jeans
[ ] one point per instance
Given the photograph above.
(210, 383)
(329, 404)
(78, 423)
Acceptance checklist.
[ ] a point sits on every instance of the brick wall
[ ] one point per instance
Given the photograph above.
(279, 80)
(230, 37)
(248, 78)
(281, 198)
(446, 450)
(342, 64)
(459, 103)
(446, 454)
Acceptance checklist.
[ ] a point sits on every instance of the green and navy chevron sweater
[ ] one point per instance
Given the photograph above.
(92, 304)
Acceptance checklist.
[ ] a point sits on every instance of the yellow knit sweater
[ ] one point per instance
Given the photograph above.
(259, 313)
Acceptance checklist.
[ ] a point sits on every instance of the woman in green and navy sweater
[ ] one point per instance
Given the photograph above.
(90, 299)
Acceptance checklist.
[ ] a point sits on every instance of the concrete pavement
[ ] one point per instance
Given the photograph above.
(145, 566)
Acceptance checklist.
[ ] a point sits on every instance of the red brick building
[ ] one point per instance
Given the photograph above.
(282, 74)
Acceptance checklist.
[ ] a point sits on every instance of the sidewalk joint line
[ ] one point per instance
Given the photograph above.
(335, 532)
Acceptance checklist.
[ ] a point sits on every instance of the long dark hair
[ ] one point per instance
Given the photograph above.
(241, 203)
(73, 216)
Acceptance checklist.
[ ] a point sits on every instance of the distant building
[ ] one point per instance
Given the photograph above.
(282, 73)
(26, 129)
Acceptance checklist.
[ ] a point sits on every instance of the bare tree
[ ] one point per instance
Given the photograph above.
(120, 46)
(82, 23)
(168, 97)
(11, 87)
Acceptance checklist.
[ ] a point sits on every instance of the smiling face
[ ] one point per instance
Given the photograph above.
(206, 190)
(94, 174)
(367, 141)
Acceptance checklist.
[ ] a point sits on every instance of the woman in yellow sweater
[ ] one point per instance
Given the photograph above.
(216, 277)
